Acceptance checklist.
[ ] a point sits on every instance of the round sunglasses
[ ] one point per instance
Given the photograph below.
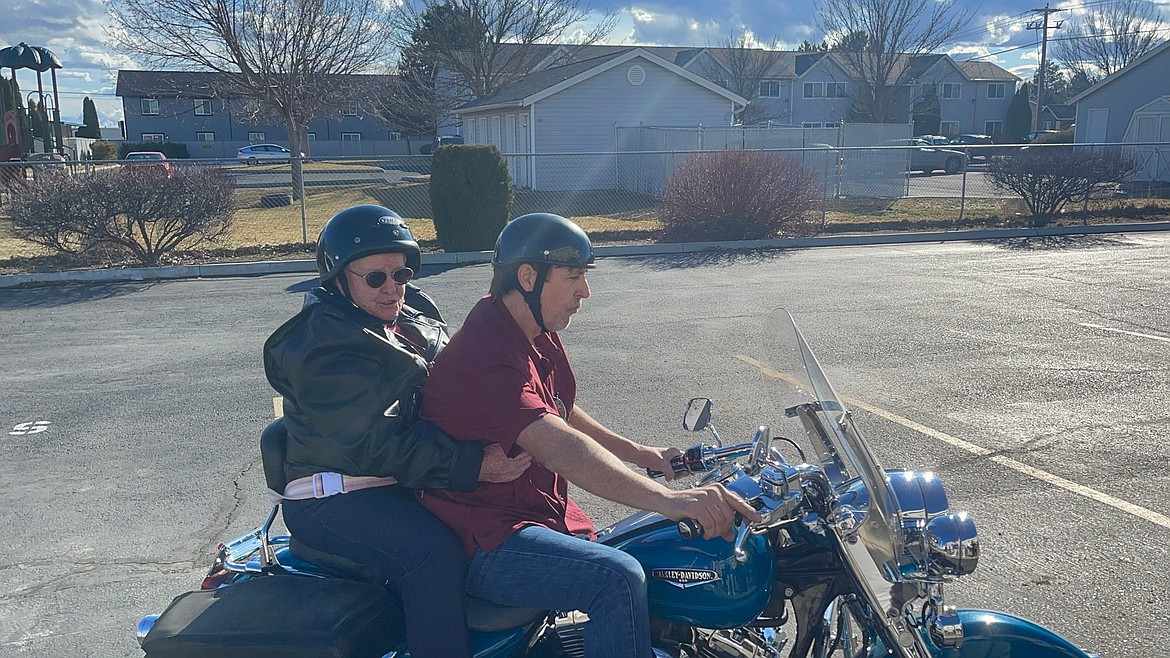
(377, 278)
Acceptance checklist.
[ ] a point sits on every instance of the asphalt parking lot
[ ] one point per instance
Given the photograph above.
(133, 411)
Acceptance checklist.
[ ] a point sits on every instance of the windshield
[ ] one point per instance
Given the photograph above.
(807, 409)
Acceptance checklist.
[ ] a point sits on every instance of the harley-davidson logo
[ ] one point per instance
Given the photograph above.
(685, 578)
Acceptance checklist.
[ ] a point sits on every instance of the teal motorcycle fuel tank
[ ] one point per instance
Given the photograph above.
(697, 582)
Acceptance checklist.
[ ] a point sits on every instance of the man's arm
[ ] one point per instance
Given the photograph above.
(587, 464)
(657, 459)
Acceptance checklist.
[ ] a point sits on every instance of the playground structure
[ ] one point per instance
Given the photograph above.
(16, 140)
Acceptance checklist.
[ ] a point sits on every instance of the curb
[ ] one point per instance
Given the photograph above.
(136, 274)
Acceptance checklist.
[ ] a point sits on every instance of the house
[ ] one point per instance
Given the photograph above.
(1057, 116)
(187, 107)
(579, 108)
(813, 89)
(1132, 106)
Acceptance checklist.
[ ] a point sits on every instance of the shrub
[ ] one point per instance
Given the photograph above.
(143, 214)
(738, 195)
(471, 196)
(1047, 177)
(170, 149)
(102, 150)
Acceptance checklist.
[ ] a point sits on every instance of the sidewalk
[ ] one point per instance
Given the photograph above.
(310, 266)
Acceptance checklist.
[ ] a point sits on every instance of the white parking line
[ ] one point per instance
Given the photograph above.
(1123, 331)
(1030, 471)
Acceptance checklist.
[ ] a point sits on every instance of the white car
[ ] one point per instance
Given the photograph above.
(254, 153)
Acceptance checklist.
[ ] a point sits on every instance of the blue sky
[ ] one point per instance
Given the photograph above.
(76, 31)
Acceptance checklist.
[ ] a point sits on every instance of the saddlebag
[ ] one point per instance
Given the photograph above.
(279, 616)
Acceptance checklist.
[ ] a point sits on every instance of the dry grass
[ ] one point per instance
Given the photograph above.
(608, 216)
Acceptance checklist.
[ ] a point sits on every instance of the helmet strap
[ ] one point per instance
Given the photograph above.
(533, 298)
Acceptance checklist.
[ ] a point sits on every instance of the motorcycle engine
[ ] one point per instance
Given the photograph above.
(679, 641)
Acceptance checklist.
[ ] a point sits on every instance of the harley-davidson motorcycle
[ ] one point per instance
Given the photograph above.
(850, 559)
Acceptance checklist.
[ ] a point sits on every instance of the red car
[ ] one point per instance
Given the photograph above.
(148, 160)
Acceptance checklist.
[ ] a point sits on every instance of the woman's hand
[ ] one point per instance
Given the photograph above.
(498, 467)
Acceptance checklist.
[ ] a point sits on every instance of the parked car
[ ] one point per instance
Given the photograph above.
(985, 142)
(927, 157)
(254, 153)
(937, 140)
(1036, 133)
(148, 161)
(440, 140)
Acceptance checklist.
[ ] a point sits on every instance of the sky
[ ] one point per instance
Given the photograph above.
(76, 30)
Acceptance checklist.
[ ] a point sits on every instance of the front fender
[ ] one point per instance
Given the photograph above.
(990, 634)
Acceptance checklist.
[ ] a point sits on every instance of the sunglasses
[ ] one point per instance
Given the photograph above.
(377, 278)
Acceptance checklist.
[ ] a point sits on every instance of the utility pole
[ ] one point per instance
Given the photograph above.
(1042, 25)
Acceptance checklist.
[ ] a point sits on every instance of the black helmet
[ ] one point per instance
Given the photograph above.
(542, 238)
(362, 231)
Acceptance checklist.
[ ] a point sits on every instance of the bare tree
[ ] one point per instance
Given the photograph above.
(1108, 37)
(743, 67)
(284, 58)
(876, 40)
(491, 42)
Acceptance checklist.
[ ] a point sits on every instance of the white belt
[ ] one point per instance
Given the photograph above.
(323, 485)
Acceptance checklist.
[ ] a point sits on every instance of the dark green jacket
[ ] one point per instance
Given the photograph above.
(351, 392)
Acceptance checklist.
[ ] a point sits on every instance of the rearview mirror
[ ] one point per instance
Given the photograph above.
(698, 414)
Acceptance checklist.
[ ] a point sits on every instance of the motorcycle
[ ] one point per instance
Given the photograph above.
(849, 557)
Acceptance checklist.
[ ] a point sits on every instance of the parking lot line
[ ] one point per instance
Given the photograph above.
(1123, 331)
(1019, 467)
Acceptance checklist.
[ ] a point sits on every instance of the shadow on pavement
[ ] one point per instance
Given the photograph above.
(1058, 242)
(56, 294)
(714, 257)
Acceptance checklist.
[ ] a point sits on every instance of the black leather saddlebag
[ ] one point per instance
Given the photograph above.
(279, 616)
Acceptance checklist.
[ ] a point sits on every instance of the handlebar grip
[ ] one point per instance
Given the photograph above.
(677, 463)
(690, 529)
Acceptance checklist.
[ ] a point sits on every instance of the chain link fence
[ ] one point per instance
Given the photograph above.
(934, 187)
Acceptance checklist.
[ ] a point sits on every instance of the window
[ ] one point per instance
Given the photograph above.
(256, 137)
(993, 128)
(351, 137)
(205, 137)
(311, 137)
(395, 136)
(949, 128)
(814, 90)
(770, 89)
(834, 90)
(203, 107)
(349, 109)
(820, 124)
(149, 106)
(153, 137)
(996, 90)
(952, 90)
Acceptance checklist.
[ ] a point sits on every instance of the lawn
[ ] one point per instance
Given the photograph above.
(609, 216)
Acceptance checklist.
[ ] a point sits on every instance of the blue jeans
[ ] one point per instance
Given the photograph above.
(542, 568)
(413, 553)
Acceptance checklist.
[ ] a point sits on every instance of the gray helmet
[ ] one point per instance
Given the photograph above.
(543, 238)
(362, 231)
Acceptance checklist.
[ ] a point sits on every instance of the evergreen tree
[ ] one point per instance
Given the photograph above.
(1019, 115)
(89, 120)
(6, 88)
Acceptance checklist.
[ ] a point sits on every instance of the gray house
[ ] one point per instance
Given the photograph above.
(580, 108)
(1132, 106)
(187, 107)
(812, 90)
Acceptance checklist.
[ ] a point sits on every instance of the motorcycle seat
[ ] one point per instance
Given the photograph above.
(273, 440)
(482, 615)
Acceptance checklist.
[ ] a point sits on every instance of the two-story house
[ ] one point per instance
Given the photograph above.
(187, 107)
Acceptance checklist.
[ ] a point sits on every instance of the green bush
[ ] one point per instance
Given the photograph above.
(170, 149)
(104, 150)
(471, 196)
(142, 214)
(738, 195)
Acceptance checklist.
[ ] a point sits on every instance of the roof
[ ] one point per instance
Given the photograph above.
(542, 84)
(204, 84)
(1061, 111)
(985, 71)
(1124, 70)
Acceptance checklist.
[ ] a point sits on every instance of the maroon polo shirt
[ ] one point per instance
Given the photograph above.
(488, 384)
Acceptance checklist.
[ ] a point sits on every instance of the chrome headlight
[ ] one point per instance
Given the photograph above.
(953, 544)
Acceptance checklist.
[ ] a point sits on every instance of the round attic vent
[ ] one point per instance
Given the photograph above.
(636, 75)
